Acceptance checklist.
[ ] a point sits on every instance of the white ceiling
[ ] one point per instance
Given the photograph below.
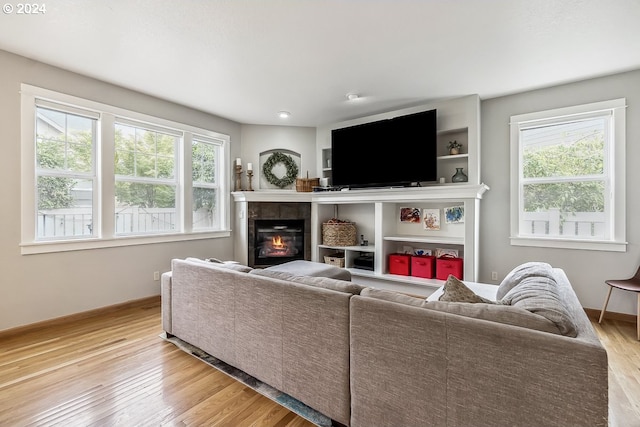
(247, 59)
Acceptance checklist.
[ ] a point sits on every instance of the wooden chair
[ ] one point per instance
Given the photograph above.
(632, 285)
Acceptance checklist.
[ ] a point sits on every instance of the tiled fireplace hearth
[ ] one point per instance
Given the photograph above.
(277, 232)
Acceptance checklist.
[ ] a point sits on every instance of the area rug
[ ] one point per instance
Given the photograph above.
(266, 390)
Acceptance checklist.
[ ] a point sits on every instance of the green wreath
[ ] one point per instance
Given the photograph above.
(292, 170)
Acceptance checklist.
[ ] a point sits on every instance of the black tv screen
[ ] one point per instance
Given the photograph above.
(393, 152)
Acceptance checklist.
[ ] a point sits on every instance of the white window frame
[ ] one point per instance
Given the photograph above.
(175, 181)
(105, 235)
(219, 179)
(92, 175)
(615, 158)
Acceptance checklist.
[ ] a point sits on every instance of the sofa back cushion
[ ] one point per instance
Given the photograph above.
(230, 265)
(320, 282)
(506, 314)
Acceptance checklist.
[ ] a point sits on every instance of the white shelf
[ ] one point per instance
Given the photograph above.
(369, 248)
(453, 156)
(445, 240)
(444, 132)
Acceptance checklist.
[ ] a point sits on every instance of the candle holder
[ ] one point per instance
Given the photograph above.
(249, 178)
(238, 186)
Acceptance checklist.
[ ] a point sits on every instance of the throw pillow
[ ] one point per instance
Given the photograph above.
(521, 272)
(540, 295)
(456, 291)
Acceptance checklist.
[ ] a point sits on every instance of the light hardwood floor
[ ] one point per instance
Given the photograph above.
(113, 369)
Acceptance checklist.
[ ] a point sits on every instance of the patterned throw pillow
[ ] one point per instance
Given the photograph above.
(456, 291)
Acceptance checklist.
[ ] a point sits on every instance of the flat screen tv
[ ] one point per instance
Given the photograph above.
(394, 152)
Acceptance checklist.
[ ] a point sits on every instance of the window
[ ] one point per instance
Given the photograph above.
(100, 176)
(568, 177)
(146, 181)
(205, 179)
(65, 173)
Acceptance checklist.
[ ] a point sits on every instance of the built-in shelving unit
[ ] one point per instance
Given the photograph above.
(376, 213)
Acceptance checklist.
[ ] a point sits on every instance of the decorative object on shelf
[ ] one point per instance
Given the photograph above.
(410, 215)
(249, 176)
(459, 176)
(337, 232)
(422, 252)
(305, 185)
(431, 219)
(238, 171)
(290, 166)
(454, 215)
(449, 252)
(337, 259)
(454, 147)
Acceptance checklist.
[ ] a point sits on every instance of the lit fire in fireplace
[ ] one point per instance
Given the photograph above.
(277, 243)
(277, 247)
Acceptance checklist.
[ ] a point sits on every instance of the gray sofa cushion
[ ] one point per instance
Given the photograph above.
(315, 269)
(456, 291)
(540, 295)
(320, 282)
(506, 314)
(521, 272)
(231, 265)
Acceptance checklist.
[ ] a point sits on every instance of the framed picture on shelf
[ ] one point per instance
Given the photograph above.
(431, 219)
(422, 252)
(454, 215)
(441, 251)
(410, 215)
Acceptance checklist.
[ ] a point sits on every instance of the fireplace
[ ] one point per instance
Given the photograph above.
(278, 241)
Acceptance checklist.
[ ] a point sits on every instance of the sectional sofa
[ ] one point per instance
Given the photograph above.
(369, 357)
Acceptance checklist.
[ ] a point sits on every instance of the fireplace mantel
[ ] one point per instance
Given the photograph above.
(271, 196)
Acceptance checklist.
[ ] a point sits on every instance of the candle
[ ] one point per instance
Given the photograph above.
(238, 161)
(249, 166)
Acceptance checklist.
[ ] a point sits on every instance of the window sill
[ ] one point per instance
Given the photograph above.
(85, 244)
(589, 245)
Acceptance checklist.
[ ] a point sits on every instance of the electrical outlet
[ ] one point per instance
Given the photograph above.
(494, 275)
(156, 275)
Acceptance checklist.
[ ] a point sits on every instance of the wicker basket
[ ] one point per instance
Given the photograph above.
(336, 260)
(339, 234)
(306, 185)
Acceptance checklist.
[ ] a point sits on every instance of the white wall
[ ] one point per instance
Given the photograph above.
(587, 270)
(41, 287)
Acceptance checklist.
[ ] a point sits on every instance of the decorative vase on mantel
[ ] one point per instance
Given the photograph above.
(459, 176)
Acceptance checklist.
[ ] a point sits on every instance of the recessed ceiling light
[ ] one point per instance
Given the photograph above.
(284, 114)
(352, 96)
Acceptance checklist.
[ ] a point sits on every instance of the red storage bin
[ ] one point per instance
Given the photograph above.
(446, 265)
(400, 264)
(423, 266)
